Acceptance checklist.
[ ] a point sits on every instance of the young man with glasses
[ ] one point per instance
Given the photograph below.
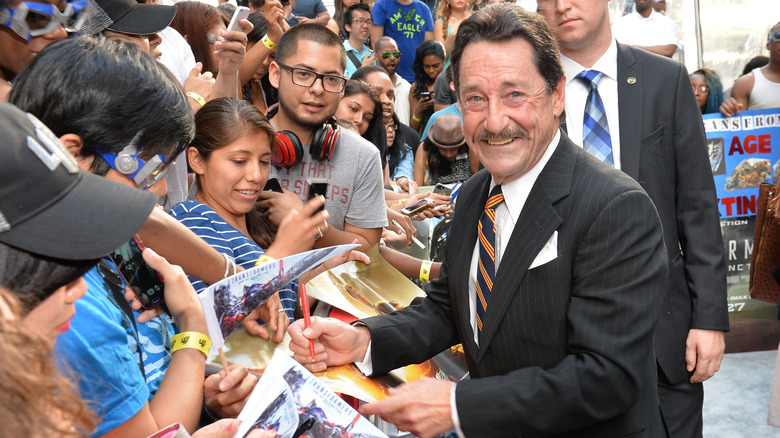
(357, 25)
(388, 57)
(760, 88)
(309, 73)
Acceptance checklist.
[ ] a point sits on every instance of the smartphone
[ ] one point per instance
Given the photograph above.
(425, 94)
(144, 281)
(241, 13)
(441, 189)
(316, 186)
(273, 185)
(417, 206)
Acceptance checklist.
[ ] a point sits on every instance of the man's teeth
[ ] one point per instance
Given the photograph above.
(499, 142)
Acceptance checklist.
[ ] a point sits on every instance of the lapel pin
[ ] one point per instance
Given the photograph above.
(631, 80)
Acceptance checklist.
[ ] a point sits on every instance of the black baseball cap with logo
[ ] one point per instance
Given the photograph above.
(126, 16)
(49, 206)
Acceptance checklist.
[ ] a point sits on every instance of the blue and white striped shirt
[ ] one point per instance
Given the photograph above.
(220, 235)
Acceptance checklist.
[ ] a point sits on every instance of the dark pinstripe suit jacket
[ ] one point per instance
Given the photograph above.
(662, 145)
(566, 349)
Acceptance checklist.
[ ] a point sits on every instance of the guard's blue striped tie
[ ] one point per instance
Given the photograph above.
(595, 129)
(486, 268)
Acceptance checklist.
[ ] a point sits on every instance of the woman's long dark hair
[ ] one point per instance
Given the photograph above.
(398, 149)
(221, 122)
(376, 128)
(438, 166)
(421, 79)
(193, 20)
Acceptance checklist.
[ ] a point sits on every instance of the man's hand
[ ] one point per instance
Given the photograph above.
(226, 392)
(703, 352)
(421, 407)
(272, 313)
(335, 343)
(730, 107)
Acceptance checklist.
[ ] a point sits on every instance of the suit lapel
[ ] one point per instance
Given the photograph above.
(630, 83)
(537, 222)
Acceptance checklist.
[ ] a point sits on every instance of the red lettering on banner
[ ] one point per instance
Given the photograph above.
(739, 205)
(752, 144)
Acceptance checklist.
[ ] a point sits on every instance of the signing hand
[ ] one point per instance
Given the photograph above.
(335, 343)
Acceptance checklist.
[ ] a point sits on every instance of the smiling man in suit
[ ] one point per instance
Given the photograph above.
(656, 136)
(553, 283)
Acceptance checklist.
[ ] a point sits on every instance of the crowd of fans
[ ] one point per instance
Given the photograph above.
(118, 106)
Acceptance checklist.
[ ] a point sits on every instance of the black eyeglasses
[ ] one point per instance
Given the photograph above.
(392, 127)
(306, 78)
(396, 54)
(361, 22)
(774, 36)
(702, 89)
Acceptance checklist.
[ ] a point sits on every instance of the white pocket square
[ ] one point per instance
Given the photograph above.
(548, 253)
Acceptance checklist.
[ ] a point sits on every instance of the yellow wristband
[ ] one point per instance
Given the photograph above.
(425, 271)
(264, 259)
(401, 201)
(268, 43)
(198, 98)
(415, 118)
(195, 340)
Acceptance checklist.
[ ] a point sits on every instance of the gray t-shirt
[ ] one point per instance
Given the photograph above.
(443, 94)
(306, 8)
(355, 181)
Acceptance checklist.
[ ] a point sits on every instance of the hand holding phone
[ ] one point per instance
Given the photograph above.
(241, 13)
(416, 207)
(316, 186)
(145, 282)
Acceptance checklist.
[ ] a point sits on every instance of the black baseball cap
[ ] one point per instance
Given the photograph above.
(49, 206)
(126, 16)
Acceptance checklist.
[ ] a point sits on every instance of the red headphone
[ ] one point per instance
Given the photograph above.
(288, 150)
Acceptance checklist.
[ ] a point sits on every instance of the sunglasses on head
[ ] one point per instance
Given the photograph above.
(396, 54)
(774, 36)
(30, 19)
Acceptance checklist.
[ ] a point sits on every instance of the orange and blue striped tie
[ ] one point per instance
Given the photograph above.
(486, 268)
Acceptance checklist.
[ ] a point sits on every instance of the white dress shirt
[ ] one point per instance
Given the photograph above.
(577, 95)
(655, 30)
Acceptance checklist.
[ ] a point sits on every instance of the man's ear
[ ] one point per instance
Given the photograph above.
(196, 161)
(73, 143)
(558, 97)
(274, 74)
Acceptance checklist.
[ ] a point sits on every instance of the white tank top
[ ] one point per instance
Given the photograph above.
(765, 93)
